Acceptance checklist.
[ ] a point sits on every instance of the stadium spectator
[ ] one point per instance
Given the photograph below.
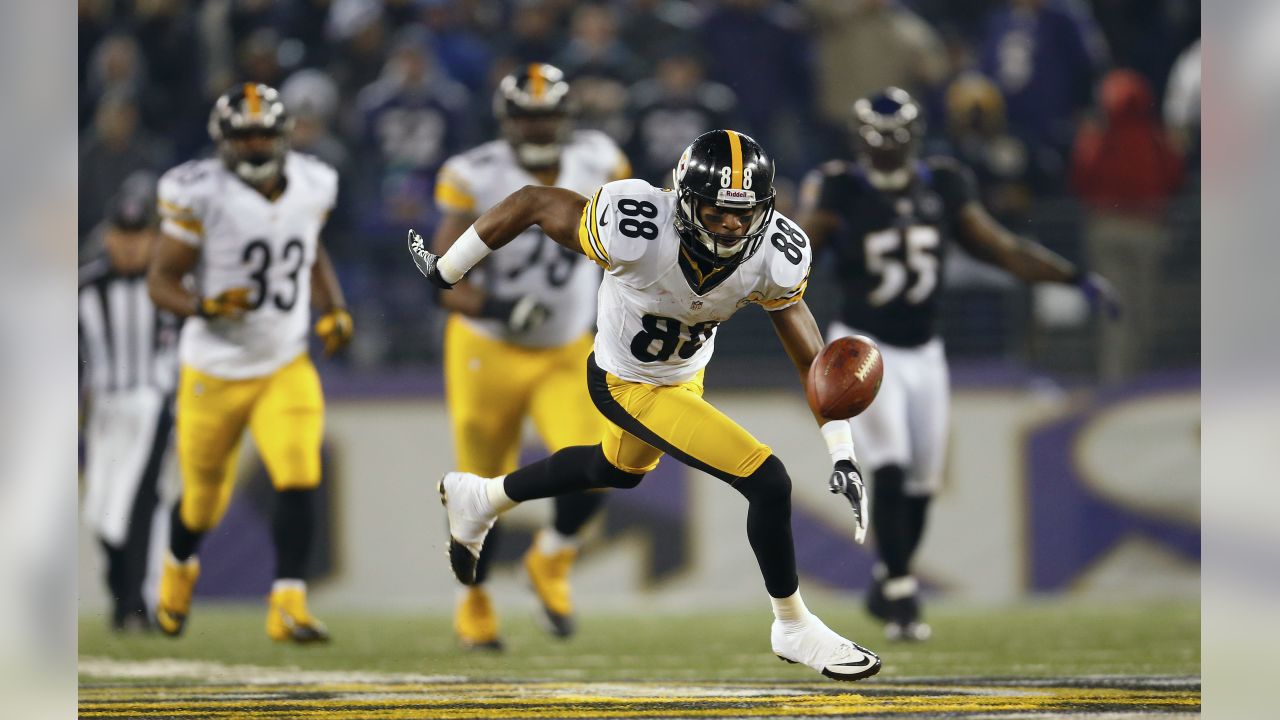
(670, 109)
(258, 58)
(865, 45)
(1044, 55)
(601, 69)
(115, 147)
(654, 29)
(759, 48)
(119, 68)
(358, 34)
(1005, 166)
(166, 33)
(534, 35)
(127, 397)
(1126, 171)
(462, 53)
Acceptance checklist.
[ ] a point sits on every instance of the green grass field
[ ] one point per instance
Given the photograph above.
(1051, 639)
(1055, 658)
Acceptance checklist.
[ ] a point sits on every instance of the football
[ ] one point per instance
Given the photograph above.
(845, 377)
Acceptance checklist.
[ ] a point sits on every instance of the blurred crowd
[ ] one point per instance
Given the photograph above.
(1095, 102)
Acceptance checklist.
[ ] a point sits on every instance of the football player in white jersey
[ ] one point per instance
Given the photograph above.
(520, 327)
(677, 264)
(245, 227)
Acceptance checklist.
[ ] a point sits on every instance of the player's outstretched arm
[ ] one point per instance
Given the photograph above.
(802, 340)
(556, 210)
(170, 264)
(988, 240)
(519, 313)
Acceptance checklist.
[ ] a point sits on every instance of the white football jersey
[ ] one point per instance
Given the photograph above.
(532, 263)
(246, 240)
(651, 326)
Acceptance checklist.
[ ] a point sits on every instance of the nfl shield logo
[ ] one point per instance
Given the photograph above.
(696, 305)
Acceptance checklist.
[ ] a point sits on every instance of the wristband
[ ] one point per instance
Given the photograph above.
(839, 437)
(468, 250)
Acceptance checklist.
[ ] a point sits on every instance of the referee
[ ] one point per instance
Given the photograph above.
(128, 367)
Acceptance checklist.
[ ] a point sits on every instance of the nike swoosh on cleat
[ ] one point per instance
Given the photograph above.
(860, 663)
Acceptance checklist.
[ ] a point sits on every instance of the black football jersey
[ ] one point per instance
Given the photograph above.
(891, 245)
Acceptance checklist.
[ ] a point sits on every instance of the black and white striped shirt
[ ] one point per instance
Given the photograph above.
(125, 342)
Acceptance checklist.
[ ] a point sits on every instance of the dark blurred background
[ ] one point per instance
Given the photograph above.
(1047, 100)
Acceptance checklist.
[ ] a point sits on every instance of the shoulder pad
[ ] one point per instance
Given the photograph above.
(183, 191)
(623, 248)
(789, 253)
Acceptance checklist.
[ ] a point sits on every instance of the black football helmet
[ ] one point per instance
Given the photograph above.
(726, 169)
(888, 128)
(534, 111)
(245, 111)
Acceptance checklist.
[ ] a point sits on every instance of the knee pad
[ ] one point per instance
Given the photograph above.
(770, 482)
(604, 474)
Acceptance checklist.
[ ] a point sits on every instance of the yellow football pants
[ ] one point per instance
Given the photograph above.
(283, 410)
(647, 421)
(491, 386)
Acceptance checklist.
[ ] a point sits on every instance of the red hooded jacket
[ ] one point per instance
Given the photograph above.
(1127, 165)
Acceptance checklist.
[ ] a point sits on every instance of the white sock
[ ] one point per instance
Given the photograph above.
(551, 542)
(289, 584)
(900, 587)
(499, 501)
(790, 610)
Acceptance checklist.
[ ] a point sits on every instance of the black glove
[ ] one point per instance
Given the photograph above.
(426, 261)
(846, 479)
(520, 315)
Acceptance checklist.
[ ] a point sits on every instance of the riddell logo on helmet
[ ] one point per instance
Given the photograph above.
(733, 195)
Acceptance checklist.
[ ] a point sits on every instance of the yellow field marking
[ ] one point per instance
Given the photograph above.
(519, 701)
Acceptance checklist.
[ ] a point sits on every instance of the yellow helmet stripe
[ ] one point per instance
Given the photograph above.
(537, 83)
(735, 157)
(251, 97)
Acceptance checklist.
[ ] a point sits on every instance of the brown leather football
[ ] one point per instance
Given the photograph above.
(845, 377)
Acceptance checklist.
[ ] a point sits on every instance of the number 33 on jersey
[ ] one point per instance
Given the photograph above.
(652, 326)
(246, 240)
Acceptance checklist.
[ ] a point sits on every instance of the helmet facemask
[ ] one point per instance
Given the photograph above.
(535, 113)
(251, 127)
(537, 138)
(887, 131)
(718, 249)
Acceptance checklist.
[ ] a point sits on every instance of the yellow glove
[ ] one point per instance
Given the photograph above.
(335, 328)
(231, 304)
